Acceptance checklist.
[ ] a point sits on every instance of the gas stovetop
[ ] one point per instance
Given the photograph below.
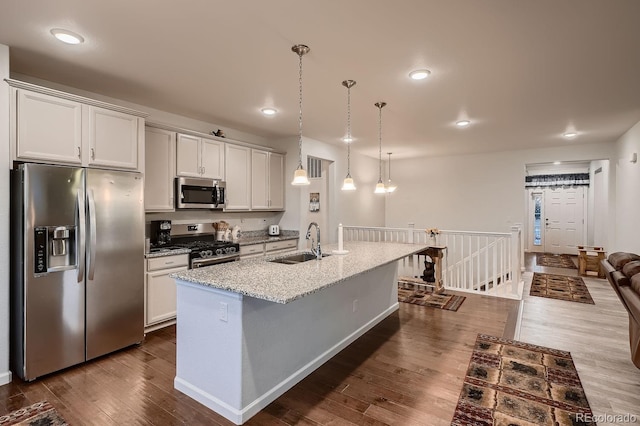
(205, 247)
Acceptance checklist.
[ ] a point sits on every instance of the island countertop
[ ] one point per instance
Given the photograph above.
(282, 283)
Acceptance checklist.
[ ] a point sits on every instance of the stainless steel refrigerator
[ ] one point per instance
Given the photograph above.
(77, 271)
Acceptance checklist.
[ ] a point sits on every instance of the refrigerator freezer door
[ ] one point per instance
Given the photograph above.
(48, 331)
(115, 261)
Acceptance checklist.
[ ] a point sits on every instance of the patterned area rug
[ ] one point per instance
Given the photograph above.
(555, 260)
(408, 293)
(38, 414)
(560, 287)
(515, 383)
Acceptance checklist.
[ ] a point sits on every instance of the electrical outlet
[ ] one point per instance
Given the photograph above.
(355, 305)
(224, 312)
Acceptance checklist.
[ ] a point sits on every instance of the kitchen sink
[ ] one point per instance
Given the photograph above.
(296, 258)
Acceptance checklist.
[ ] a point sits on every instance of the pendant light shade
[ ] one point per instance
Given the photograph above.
(380, 188)
(348, 184)
(390, 185)
(300, 175)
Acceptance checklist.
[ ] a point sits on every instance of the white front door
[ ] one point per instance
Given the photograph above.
(563, 219)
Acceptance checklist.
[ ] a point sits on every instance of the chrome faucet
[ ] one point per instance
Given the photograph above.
(318, 250)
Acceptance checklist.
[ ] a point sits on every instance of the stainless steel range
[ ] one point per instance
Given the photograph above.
(205, 250)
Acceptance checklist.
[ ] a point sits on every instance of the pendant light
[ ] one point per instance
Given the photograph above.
(380, 189)
(390, 185)
(300, 175)
(348, 184)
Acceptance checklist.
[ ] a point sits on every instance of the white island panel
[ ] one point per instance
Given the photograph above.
(238, 367)
(237, 353)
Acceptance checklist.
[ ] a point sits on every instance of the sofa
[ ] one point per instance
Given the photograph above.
(623, 272)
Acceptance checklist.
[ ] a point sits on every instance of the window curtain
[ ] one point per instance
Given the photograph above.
(571, 179)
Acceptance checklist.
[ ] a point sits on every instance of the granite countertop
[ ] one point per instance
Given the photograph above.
(281, 283)
(167, 252)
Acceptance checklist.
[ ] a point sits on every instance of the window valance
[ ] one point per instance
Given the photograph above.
(575, 179)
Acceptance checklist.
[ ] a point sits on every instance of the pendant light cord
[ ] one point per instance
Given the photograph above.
(300, 115)
(380, 143)
(348, 131)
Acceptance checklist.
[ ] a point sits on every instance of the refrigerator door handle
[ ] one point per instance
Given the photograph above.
(92, 235)
(80, 238)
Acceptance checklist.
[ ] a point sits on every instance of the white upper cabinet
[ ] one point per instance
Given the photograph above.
(259, 179)
(188, 156)
(113, 138)
(238, 177)
(160, 170)
(56, 127)
(212, 159)
(199, 157)
(48, 128)
(276, 181)
(267, 180)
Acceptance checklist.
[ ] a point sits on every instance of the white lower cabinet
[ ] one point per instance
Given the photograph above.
(275, 247)
(160, 290)
(269, 249)
(252, 250)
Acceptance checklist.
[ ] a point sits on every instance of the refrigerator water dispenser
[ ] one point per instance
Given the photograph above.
(55, 249)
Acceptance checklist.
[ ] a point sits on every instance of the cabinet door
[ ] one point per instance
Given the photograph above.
(259, 179)
(276, 181)
(188, 156)
(161, 296)
(113, 138)
(159, 170)
(238, 177)
(48, 128)
(212, 159)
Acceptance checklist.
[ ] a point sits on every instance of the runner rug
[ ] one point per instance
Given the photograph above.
(555, 260)
(515, 383)
(560, 287)
(39, 414)
(408, 293)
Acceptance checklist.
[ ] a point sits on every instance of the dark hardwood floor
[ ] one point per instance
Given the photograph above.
(408, 370)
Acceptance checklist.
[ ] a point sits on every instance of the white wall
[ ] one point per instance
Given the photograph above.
(5, 374)
(598, 199)
(627, 192)
(359, 207)
(482, 192)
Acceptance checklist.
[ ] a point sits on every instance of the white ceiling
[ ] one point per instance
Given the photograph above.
(523, 71)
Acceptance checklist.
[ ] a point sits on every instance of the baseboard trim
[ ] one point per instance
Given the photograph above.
(5, 378)
(244, 414)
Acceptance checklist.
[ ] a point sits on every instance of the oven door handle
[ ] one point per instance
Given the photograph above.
(199, 263)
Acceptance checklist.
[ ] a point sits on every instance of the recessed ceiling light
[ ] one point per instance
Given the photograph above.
(557, 163)
(463, 123)
(269, 111)
(67, 36)
(419, 74)
(347, 140)
(570, 135)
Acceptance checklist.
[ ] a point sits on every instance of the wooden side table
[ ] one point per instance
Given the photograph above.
(589, 259)
(436, 253)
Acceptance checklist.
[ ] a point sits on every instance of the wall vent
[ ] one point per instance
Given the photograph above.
(314, 167)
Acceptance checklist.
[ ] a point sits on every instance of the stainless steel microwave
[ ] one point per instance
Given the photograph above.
(198, 193)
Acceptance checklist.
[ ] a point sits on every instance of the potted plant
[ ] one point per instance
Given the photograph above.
(432, 236)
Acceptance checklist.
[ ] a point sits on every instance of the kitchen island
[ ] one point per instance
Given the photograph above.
(248, 331)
